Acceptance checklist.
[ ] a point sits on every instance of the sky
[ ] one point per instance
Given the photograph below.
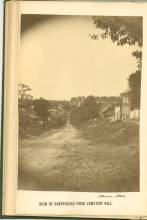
(59, 60)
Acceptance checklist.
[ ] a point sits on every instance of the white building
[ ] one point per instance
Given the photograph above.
(117, 112)
(135, 114)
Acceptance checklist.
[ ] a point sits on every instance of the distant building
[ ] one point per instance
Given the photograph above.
(77, 101)
(135, 114)
(126, 104)
(107, 112)
(117, 112)
(124, 111)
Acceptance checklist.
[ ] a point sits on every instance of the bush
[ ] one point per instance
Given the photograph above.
(88, 110)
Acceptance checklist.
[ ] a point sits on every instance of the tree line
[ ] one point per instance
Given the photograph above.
(39, 115)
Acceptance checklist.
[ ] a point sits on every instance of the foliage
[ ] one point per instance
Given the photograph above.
(122, 30)
(33, 113)
(41, 107)
(24, 96)
(25, 102)
(28, 125)
(56, 121)
(135, 85)
(24, 92)
(88, 110)
(138, 55)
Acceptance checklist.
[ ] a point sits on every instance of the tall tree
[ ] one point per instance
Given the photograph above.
(135, 85)
(24, 96)
(124, 30)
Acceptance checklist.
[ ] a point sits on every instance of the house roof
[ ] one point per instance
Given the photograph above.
(106, 108)
(127, 91)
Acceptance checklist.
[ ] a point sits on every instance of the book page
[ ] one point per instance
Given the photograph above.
(81, 109)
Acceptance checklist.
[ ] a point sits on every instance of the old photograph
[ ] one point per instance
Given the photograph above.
(79, 103)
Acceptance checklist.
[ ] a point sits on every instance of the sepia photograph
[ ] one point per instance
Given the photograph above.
(79, 106)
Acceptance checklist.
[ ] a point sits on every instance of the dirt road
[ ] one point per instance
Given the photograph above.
(65, 161)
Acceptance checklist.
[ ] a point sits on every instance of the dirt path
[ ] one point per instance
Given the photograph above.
(65, 161)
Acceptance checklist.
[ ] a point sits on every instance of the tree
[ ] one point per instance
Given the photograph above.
(135, 85)
(24, 92)
(124, 30)
(41, 107)
(24, 96)
(88, 110)
(25, 100)
(138, 56)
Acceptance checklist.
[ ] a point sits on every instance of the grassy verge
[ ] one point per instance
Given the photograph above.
(118, 133)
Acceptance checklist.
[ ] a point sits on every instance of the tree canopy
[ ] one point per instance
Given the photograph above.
(24, 91)
(122, 30)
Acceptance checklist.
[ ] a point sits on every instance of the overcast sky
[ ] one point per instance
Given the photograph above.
(60, 61)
